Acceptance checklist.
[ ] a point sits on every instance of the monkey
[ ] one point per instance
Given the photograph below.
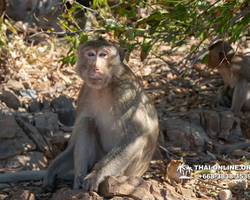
(235, 72)
(116, 128)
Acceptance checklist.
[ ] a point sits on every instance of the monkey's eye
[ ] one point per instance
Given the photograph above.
(91, 54)
(102, 54)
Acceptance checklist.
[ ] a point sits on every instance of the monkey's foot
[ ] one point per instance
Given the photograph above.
(49, 183)
(91, 182)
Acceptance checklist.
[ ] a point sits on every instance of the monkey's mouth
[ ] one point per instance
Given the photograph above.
(96, 80)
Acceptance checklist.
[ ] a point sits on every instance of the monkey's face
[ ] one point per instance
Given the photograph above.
(213, 59)
(97, 65)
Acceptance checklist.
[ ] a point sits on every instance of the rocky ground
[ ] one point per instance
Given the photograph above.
(37, 112)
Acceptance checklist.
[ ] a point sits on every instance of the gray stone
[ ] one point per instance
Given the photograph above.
(212, 120)
(46, 123)
(8, 127)
(10, 99)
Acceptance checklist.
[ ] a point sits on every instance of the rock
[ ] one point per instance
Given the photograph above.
(10, 99)
(35, 161)
(15, 146)
(68, 194)
(60, 139)
(240, 184)
(46, 105)
(197, 131)
(16, 162)
(29, 161)
(46, 123)
(33, 133)
(187, 130)
(34, 106)
(15, 85)
(134, 187)
(22, 195)
(8, 127)
(65, 110)
(225, 195)
(227, 122)
(178, 132)
(123, 188)
(187, 193)
(4, 185)
(3, 197)
(212, 120)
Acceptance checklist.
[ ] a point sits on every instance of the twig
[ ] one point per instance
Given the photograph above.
(63, 33)
(234, 19)
(211, 184)
(86, 8)
(240, 39)
(168, 152)
(172, 68)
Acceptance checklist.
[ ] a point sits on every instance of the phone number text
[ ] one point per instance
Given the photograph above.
(225, 176)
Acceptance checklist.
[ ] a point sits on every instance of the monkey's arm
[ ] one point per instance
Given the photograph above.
(239, 96)
(29, 176)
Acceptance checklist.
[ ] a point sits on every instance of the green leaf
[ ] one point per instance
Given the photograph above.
(83, 38)
(204, 59)
(130, 34)
(154, 27)
(111, 24)
(154, 17)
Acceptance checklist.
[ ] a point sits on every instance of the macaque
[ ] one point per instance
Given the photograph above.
(116, 126)
(235, 72)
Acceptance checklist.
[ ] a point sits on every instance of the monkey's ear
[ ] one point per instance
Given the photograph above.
(122, 53)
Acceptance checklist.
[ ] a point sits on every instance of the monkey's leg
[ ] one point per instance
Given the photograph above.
(116, 161)
(239, 96)
(84, 153)
(224, 98)
(62, 164)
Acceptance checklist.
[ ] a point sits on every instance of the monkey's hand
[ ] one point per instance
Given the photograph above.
(92, 181)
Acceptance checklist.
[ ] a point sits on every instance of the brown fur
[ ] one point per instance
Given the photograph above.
(235, 72)
(116, 128)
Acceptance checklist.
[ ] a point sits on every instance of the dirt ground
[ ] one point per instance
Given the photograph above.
(37, 65)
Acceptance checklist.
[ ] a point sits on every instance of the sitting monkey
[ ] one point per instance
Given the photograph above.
(235, 72)
(116, 126)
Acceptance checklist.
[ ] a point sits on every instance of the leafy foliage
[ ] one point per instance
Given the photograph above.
(147, 24)
(173, 22)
